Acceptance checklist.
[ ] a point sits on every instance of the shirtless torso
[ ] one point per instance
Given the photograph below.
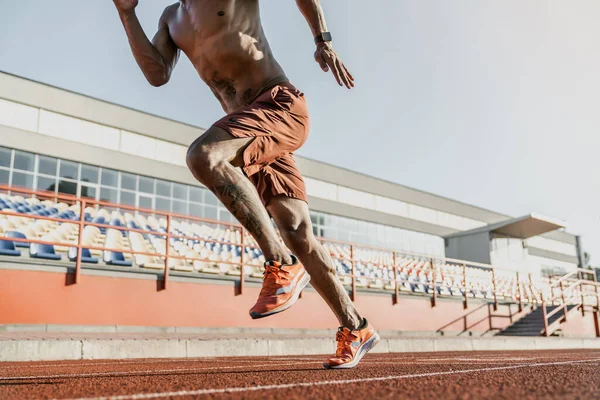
(225, 42)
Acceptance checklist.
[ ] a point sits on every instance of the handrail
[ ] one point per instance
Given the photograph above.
(550, 328)
(568, 275)
(578, 282)
(89, 201)
(555, 311)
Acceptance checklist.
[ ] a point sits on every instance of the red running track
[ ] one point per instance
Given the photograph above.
(467, 375)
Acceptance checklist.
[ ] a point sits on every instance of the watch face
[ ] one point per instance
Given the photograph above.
(323, 37)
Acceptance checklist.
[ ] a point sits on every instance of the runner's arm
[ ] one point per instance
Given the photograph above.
(156, 58)
(324, 55)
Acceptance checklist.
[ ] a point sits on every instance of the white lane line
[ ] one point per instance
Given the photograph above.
(449, 364)
(501, 359)
(149, 372)
(315, 358)
(166, 361)
(324, 383)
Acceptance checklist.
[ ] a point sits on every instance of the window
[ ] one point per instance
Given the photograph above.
(180, 207)
(210, 198)
(88, 191)
(128, 181)
(163, 204)
(163, 188)
(44, 183)
(179, 191)
(197, 194)
(145, 202)
(67, 187)
(89, 174)
(47, 165)
(146, 185)
(210, 212)
(108, 195)
(225, 215)
(196, 210)
(109, 177)
(24, 161)
(5, 156)
(4, 176)
(68, 169)
(22, 179)
(127, 198)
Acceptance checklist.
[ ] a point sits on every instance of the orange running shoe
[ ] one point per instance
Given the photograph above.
(352, 346)
(282, 285)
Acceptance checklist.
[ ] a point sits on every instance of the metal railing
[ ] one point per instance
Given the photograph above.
(443, 275)
(565, 292)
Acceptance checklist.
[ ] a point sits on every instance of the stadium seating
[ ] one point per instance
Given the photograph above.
(86, 255)
(45, 251)
(7, 248)
(213, 249)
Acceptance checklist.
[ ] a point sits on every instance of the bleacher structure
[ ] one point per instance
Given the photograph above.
(50, 227)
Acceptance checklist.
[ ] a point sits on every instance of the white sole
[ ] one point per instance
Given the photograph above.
(362, 350)
(304, 281)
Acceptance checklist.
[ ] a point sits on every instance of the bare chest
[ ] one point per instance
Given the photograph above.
(198, 22)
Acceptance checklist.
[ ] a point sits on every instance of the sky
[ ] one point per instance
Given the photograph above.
(493, 103)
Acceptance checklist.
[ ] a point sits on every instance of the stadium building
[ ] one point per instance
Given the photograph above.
(67, 143)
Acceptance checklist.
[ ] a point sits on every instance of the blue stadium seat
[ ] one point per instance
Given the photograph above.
(7, 248)
(45, 251)
(117, 223)
(18, 235)
(86, 255)
(133, 225)
(115, 258)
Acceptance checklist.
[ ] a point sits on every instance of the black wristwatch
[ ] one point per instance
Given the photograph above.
(323, 37)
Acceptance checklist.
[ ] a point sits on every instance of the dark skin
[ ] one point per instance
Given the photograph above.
(225, 42)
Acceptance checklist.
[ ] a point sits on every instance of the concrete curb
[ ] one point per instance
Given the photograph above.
(91, 349)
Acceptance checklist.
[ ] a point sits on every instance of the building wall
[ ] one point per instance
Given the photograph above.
(509, 253)
(474, 247)
(543, 266)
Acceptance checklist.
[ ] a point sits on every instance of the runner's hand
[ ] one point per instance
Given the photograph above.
(125, 5)
(328, 59)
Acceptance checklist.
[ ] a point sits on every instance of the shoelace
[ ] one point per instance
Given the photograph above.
(344, 342)
(272, 277)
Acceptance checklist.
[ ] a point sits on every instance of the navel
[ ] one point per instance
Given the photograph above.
(221, 13)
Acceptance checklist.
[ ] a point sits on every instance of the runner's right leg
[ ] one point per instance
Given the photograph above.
(212, 159)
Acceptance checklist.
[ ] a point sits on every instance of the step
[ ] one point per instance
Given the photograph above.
(80, 346)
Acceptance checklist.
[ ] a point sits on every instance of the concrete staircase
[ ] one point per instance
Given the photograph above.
(533, 323)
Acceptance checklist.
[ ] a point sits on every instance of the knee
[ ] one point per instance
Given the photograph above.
(202, 160)
(299, 239)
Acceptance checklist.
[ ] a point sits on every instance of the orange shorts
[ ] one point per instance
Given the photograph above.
(278, 120)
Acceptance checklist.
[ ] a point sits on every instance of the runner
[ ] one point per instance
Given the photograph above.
(267, 121)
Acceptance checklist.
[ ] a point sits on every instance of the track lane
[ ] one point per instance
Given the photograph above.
(415, 375)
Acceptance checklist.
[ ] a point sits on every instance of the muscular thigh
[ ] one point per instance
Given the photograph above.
(221, 144)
